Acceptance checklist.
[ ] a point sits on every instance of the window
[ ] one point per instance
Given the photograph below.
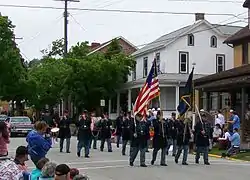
(213, 42)
(134, 75)
(183, 61)
(220, 63)
(145, 66)
(245, 53)
(158, 62)
(190, 40)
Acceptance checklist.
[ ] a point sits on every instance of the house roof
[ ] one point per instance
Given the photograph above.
(108, 42)
(165, 79)
(224, 78)
(246, 4)
(223, 30)
(238, 36)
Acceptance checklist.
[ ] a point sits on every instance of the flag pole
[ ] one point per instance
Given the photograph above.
(193, 104)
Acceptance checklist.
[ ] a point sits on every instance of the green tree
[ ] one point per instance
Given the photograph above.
(114, 48)
(13, 75)
(48, 79)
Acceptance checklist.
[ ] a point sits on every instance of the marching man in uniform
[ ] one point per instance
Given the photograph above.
(159, 139)
(183, 137)
(140, 136)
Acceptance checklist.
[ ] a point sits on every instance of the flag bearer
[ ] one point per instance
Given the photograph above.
(140, 135)
(159, 139)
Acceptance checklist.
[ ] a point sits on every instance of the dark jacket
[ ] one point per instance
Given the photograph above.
(84, 129)
(202, 139)
(181, 138)
(64, 129)
(171, 124)
(160, 134)
(142, 134)
(126, 129)
(118, 125)
(105, 126)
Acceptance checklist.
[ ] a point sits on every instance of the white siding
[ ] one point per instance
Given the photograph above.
(201, 53)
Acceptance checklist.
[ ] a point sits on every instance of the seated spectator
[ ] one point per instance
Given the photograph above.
(217, 133)
(21, 157)
(36, 173)
(62, 172)
(73, 173)
(48, 171)
(81, 177)
(235, 143)
(224, 142)
(4, 139)
(9, 170)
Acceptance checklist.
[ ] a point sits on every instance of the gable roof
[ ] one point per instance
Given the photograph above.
(163, 41)
(108, 42)
(244, 33)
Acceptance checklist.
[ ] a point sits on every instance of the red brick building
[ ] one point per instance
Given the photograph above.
(126, 46)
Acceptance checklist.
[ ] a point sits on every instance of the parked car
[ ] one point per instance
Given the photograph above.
(3, 117)
(20, 125)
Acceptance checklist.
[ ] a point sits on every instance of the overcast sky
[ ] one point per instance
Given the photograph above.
(39, 27)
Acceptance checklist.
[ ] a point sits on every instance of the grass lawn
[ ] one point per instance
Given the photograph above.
(243, 155)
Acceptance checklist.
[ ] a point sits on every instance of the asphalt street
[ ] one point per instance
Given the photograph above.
(114, 166)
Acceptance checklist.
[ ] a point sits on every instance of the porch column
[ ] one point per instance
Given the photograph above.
(129, 100)
(243, 108)
(118, 104)
(177, 96)
(109, 110)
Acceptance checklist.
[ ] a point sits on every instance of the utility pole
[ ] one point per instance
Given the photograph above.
(66, 15)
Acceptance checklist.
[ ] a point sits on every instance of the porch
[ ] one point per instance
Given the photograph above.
(171, 86)
(228, 90)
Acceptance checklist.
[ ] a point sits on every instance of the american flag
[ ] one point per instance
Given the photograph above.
(149, 91)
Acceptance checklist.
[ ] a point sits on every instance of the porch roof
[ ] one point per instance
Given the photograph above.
(237, 77)
(166, 79)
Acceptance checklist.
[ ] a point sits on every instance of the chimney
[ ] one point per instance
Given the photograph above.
(247, 5)
(199, 16)
(94, 45)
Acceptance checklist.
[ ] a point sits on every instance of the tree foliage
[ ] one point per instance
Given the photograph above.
(13, 75)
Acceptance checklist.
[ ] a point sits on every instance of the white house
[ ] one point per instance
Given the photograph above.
(199, 44)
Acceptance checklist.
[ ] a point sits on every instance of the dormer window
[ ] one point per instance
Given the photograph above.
(190, 40)
(213, 42)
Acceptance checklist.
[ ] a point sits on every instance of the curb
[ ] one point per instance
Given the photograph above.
(228, 158)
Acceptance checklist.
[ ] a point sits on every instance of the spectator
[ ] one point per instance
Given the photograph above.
(39, 141)
(36, 173)
(21, 157)
(81, 177)
(235, 143)
(62, 172)
(73, 173)
(4, 139)
(224, 142)
(217, 132)
(48, 171)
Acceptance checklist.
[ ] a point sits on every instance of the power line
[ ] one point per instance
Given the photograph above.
(208, 1)
(207, 29)
(77, 22)
(113, 10)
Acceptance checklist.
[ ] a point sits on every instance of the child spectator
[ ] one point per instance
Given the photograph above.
(73, 173)
(48, 171)
(21, 157)
(36, 173)
(62, 172)
(4, 139)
